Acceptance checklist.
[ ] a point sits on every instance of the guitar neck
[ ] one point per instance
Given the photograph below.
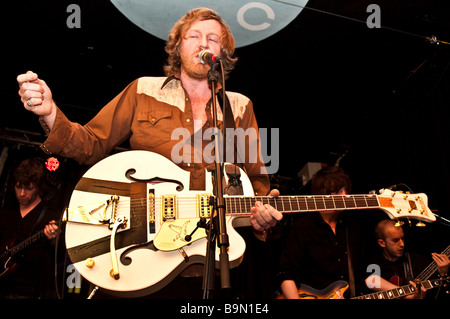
(296, 204)
(25, 243)
(400, 291)
(430, 270)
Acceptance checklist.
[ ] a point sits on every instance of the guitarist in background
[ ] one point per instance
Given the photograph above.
(321, 244)
(30, 271)
(399, 267)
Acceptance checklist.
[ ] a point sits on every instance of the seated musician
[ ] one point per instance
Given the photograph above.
(28, 273)
(399, 267)
(319, 243)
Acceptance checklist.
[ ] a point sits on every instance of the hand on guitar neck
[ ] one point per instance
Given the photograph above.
(419, 292)
(442, 262)
(51, 230)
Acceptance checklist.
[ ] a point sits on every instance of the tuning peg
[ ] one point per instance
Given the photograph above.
(399, 223)
(420, 224)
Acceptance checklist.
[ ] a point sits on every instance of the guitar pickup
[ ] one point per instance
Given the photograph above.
(204, 205)
(169, 207)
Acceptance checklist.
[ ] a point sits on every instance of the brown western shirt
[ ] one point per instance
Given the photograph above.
(155, 114)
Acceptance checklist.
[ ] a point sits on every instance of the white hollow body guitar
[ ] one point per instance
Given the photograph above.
(131, 220)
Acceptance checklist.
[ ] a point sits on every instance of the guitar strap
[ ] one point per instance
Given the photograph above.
(228, 122)
(197, 178)
(351, 275)
(38, 220)
(407, 268)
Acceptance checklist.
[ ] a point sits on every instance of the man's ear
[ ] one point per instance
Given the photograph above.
(381, 242)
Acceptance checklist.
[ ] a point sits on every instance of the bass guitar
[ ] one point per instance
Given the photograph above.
(403, 291)
(133, 224)
(336, 291)
(431, 269)
(8, 266)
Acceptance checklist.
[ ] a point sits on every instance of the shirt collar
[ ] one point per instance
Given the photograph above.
(176, 77)
(169, 79)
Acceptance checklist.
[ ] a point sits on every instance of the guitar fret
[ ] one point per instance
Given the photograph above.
(273, 202)
(276, 203)
(285, 205)
(302, 204)
(339, 202)
(372, 201)
(320, 204)
(310, 203)
(329, 203)
(427, 285)
(349, 202)
(366, 201)
(360, 201)
(396, 293)
(249, 203)
(298, 204)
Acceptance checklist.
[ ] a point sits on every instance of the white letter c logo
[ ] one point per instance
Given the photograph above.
(252, 27)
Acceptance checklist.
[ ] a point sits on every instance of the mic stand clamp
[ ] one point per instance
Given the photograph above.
(217, 233)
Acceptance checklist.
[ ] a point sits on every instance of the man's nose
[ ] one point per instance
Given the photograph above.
(203, 42)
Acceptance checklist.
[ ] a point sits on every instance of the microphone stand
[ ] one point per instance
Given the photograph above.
(217, 232)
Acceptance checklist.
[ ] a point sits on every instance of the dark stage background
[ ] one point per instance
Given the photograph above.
(330, 84)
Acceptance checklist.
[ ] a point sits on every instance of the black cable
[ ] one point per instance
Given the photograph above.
(433, 39)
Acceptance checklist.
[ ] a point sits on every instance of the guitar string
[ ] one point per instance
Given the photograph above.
(342, 199)
(427, 272)
(247, 202)
(241, 205)
(432, 267)
(360, 201)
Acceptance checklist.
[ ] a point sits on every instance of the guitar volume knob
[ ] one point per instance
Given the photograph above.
(89, 262)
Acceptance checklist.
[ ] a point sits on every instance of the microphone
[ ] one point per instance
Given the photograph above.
(207, 57)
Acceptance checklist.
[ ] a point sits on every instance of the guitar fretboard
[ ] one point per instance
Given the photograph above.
(427, 272)
(289, 204)
(398, 292)
(19, 247)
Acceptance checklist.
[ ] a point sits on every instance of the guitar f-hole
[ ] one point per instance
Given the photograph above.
(153, 180)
